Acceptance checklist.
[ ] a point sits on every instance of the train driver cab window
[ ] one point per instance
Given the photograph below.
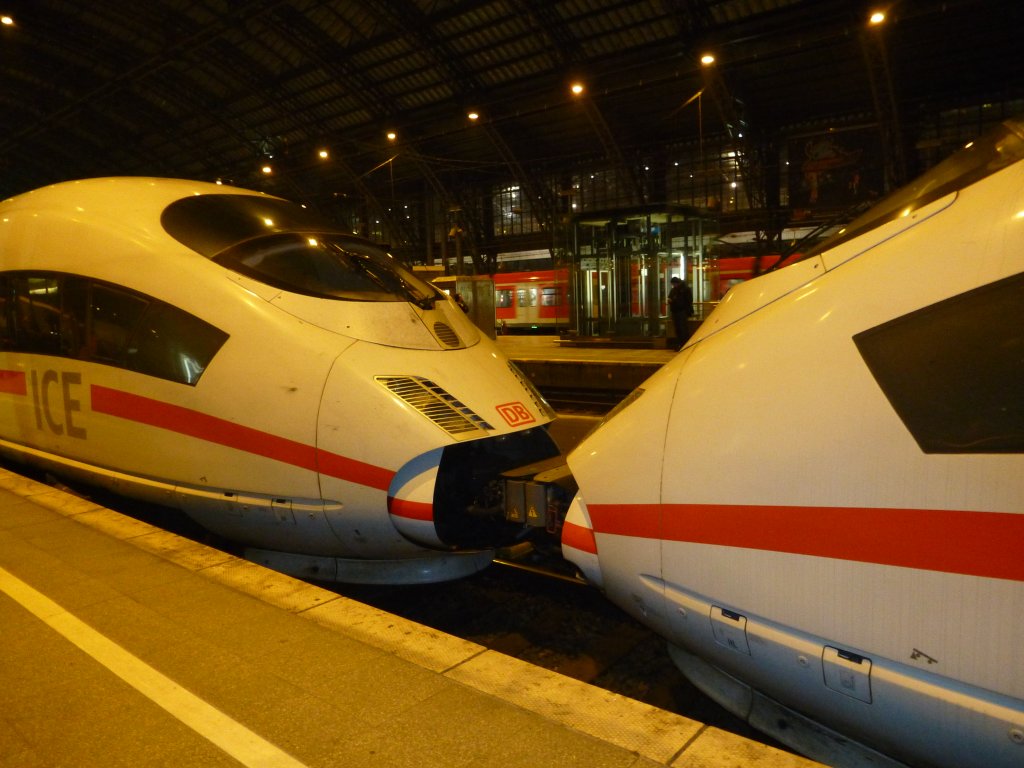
(994, 151)
(286, 246)
(503, 298)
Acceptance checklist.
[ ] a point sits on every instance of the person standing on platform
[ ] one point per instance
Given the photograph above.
(680, 304)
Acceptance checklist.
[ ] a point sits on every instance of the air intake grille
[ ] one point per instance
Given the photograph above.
(434, 403)
(447, 336)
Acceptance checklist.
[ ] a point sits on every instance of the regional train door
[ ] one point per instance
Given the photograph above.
(527, 303)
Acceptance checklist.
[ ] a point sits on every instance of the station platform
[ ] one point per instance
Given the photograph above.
(124, 645)
(551, 364)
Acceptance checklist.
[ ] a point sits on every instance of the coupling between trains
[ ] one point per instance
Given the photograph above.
(538, 496)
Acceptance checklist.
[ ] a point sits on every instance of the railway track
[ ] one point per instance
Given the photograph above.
(591, 402)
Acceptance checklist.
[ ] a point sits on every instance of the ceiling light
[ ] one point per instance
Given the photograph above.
(392, 135)
(7, 21)
(576, 88)
(267, 170)
(324, 154)
(707, 59)
(473, 115)
(876, 17)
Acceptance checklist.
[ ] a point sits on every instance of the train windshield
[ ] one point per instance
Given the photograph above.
(284, 245)
(979, 159)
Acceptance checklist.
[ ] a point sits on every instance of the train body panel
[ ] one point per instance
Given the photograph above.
(283, 383)
(833, 472)
(389, 324)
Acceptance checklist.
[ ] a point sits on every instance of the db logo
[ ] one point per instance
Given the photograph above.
(515, 414)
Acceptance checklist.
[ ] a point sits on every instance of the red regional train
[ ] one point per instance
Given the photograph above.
(539, 299)
(532, 300)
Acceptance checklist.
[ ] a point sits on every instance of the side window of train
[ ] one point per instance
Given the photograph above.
(6, 310)
(114, 314)
(503, 298)
(71, 316)
(36, 313)
(954, 371)
(173, 344)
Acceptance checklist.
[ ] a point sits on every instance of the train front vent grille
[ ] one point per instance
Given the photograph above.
(435, 403)
(447, 335)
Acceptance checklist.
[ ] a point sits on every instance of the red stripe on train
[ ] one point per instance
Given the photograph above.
(185, 421)
(949, 541)
(13, 383)
(411, 510)
(579, 537)
(353, 470)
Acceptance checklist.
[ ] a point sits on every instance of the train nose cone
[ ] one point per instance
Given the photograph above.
(411, 500)
(579, 545)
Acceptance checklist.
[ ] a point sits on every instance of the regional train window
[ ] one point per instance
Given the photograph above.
(71, 316)
(503, 298)
(549, 297)
(527, 297)
(954, 371)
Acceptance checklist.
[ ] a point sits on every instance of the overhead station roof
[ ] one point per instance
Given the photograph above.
(210, 89)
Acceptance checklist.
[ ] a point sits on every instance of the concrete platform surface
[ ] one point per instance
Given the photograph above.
(125, 645)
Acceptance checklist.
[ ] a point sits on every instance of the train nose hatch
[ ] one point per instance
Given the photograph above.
(730, 629)
(411, 500)
(452, 498)
(472, 488)
(847, 673)
(579, 545)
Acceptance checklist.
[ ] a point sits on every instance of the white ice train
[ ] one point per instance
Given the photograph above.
(820, 501)
(286, 384)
